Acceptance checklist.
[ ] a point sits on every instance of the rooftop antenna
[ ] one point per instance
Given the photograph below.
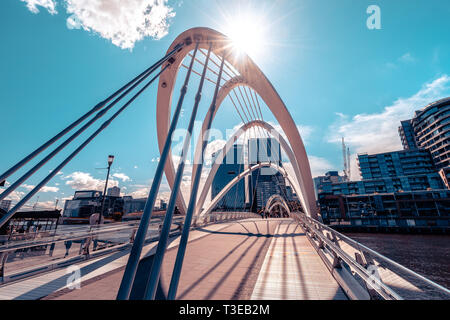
(349, 167)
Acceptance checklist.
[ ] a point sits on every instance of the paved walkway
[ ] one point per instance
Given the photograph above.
(293, 270)
(252, 259)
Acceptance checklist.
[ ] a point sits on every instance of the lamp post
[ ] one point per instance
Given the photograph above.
(110, 162)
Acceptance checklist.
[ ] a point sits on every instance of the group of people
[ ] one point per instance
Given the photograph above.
(266, 214)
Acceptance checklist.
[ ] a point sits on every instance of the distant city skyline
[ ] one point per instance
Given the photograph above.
(337, 77)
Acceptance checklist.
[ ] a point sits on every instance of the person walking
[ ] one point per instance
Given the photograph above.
(68, 244)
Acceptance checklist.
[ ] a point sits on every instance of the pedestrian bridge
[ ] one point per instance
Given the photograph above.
(201, 254)
(229, 256)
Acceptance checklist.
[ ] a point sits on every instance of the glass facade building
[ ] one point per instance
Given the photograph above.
(395, 164)
(396, 210)
(229, 169)
(431, 131)
(324, 183)
(406, 133)
(265, 182)
(385, 185)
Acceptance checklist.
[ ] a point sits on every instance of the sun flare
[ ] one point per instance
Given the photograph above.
(247, 33)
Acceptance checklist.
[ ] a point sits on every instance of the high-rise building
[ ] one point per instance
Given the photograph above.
(431, 131)
(406, 133)
(231, 166)
(264, 150)
(324, 183)
(265, 182)
(87, 202)
(445, 175)
(395, 164)
(5, 205)
(131, 205)
(113, 192)
(163, 205)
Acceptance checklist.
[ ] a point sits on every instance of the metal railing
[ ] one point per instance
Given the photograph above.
(73, 244)
(364, 273)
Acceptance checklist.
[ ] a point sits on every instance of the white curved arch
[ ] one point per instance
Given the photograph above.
(279, 200)
(279, 203)
(272, 198)
(255, 79)
(238, 178)
(229, 145)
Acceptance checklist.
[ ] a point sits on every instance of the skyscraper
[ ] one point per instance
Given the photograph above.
(265, 182)
(430, 129)
(231, 166)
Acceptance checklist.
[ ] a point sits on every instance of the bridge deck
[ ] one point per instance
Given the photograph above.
(257, 259)
(293, 270)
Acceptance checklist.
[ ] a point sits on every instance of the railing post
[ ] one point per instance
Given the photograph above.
(360, 259)
(52, 248)
(336, 261)
(133, 235)
(3, 258)
(86, 245)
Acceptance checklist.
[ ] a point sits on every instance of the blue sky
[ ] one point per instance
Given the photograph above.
(337, 77)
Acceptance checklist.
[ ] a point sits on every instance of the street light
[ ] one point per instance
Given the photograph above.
(110, 162)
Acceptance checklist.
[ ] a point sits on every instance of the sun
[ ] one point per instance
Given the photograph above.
(247, 33)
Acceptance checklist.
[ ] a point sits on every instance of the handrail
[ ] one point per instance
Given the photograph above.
(386, 293)
(317, 229)
(92, 232)
(433, 284)
(77, 235)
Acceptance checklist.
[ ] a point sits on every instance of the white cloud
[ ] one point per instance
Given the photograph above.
(407, 58)
(44, 189)
(46, 205)
(84, 181)
(122, 177)
(49, 189)
(213, 147)
(378, 132)
(33, 5)
(28, 187)
(123, 22)
(140, 193)
(14, 196)
(319, 166)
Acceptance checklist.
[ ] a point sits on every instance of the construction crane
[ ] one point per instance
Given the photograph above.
(346, 157)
